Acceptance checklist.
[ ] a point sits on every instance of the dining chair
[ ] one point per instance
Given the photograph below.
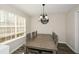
(34, 34)
(55, 38)
(28, 37)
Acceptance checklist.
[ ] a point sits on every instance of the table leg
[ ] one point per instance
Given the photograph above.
(27, 50)
(54, 52)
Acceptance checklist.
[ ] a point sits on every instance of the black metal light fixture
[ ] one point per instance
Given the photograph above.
(43, 17)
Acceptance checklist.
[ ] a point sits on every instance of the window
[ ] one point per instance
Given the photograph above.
(11, 26)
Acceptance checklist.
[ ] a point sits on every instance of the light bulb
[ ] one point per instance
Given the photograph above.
(46, 17)
(41, 17)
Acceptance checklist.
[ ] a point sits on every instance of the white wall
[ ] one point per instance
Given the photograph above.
(57, 23)
(72, 29)
(28, 25)
(77, 31)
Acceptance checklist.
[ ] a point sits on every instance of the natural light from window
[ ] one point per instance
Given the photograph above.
(12, 25)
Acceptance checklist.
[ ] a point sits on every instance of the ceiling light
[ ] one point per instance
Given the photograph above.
(43, 17)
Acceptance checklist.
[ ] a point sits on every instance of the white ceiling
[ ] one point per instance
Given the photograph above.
(36, 9)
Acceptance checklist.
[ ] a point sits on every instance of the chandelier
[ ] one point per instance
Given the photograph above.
(43, 17)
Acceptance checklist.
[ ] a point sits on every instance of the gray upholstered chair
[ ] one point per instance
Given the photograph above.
(53, 35)
(28, 37)
(34, 34)
(30, 50)
(55, 38)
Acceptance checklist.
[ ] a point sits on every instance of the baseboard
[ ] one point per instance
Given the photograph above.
(61, 42)
(70, 47)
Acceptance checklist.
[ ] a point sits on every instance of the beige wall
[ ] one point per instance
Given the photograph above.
(57, 23)
(72, 41)
(28, 25)
(71, 30)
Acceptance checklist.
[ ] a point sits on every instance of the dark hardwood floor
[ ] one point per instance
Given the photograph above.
(62, 49)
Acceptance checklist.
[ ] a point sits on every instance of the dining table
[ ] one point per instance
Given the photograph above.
(42, 42)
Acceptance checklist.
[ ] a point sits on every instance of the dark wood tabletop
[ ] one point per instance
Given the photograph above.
(42, 42)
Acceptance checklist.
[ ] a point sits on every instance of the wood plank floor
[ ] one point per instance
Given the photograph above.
(62, 49)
